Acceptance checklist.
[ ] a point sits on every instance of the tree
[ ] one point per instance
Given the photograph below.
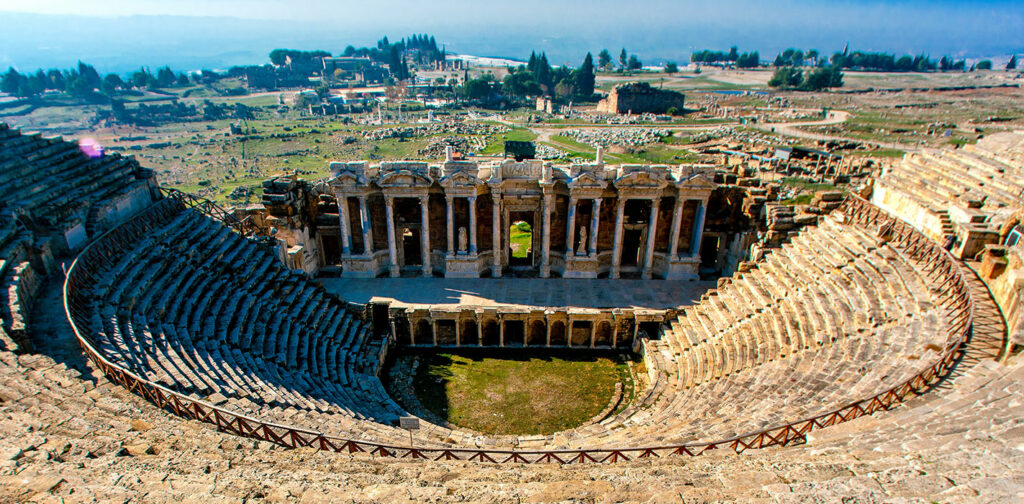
(182, 79)
(671, 67)
(604, 59)
(779, 62)
(141, 77)
(92, 78)
(165, 77)
(76, 85)
(1012, 64)
(477, 89)
(10, 81)
(623, 58)
(984, 65)
(542, 74)
(733, 53)
(751, 60)
(111, 83)
(585, 77)
(634, 63)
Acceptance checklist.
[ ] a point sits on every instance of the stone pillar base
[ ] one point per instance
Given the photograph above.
(580, 267)
(360, 267)
(683, 268)
(462, 266)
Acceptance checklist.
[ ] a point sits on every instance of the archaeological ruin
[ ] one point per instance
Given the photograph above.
(640, 98)
(833, 319)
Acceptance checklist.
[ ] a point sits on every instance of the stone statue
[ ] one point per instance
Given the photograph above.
(582, 249)
(463, 241)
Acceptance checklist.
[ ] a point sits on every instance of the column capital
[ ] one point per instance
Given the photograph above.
(424, 199)
(598, 200)
(389, 201)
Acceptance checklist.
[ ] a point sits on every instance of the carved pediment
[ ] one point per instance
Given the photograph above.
(587, 180)
(697, 180)
(641, 179)
(404, 178)
(459, 178)
(348, 175)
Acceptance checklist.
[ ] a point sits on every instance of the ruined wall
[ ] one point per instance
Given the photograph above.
(639, 98)
(1003, 270)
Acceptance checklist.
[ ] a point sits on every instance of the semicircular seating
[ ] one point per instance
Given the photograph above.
(834, 316)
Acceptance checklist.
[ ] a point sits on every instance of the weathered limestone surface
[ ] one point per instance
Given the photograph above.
(65, 436)
(961, 195)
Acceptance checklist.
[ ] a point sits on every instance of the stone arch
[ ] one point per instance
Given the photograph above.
(537, 333)
(558, 333)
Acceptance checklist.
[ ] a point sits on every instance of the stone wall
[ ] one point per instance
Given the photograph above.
(639, 98)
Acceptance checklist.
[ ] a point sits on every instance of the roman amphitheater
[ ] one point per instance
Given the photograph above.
(157, 347)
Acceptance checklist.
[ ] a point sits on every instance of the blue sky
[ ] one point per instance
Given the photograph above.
(243, 31)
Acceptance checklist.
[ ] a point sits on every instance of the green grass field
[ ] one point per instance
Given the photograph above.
(521, 237)
(518, 394)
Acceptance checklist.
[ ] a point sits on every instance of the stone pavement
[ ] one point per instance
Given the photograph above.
(584, 293)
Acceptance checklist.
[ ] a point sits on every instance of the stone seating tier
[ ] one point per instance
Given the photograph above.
(277, 346)
(48, 176)
(833, 316)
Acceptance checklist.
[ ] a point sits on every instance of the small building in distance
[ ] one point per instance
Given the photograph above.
(640, 98)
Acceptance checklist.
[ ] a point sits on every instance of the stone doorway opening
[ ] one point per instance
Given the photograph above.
(411, 254)
(521, 240)
(632, 246)
(709, 245)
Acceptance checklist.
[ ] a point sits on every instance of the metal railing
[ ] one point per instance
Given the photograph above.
(245, 227)
(940, 267)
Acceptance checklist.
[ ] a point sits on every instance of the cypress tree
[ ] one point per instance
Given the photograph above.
(585, 77)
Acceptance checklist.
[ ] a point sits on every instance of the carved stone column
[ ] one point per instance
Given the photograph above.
(367, 224)
(346, 236)
(389, 204)
(595, 222)
(652, 234)
(472, 225)
(545, 258)
(677, 218)
(425, 236)
(451, 226)
(620, 208)
(570, 233)
(698, 229)
(496, 236)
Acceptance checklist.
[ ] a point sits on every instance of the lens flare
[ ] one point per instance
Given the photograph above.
(90, 147)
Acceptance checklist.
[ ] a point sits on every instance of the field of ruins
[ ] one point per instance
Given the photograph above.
(887, 114)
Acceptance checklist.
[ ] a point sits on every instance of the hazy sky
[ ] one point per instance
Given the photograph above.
(836, 13)
(224, 32)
